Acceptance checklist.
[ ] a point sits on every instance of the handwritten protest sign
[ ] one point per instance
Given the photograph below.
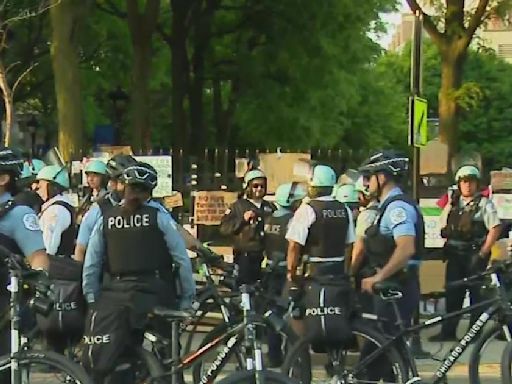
(210, 206)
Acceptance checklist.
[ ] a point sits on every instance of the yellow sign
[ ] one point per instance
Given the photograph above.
(420, 122)
(210, 206)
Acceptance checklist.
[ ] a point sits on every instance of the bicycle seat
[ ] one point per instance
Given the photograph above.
(171, 314)
(388, 289)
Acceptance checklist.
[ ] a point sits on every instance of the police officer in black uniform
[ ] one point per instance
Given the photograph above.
(472, 227)
(138, 243)
(244, 221)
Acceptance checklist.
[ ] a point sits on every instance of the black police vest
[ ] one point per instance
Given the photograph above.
(379, 248)
(276, 244)
(67, 239)
(135, 243)
(327, 235)
(105, 204)
(461, 224)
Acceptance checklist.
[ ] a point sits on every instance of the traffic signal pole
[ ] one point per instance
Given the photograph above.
(416, 89)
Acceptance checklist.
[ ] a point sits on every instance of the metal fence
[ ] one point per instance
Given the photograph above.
(215, 168)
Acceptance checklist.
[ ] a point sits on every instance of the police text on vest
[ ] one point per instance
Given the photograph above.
(128, 222)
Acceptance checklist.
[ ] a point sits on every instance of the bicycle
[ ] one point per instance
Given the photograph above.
(209, 298)
(357, 363)
(241, 335)
(25, 364)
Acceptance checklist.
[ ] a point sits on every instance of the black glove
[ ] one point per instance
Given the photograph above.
(479, 263)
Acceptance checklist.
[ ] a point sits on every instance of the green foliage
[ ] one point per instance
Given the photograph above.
(484, 99)
(312, 82)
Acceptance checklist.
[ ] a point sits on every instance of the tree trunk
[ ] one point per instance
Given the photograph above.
(451, 80)
(66, 70)
(142, 26)
(8, 105)
(202, 35)
(180, 74)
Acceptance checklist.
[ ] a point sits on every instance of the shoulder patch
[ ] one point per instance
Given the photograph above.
(397, 215)
(31, 222)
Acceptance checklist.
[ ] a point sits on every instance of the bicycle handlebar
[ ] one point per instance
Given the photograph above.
(497, 267)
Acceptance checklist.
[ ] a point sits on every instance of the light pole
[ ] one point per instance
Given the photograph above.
(119, 100)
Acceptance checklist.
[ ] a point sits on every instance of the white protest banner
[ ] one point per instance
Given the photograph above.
(163, 167)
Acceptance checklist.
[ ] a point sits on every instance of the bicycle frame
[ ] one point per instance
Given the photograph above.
(233, 338)
(494, 306)
(14, 285)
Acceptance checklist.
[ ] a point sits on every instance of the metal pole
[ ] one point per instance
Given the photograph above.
(416, 88)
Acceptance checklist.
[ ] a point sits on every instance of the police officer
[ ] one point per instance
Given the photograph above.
(322, 229)
(114, 170)
(288, 196)
(31, 168)
(96, 173)
(138, 240)
(244, 220)
(393, 244)
(369, 210)
(57, 215)
(19, 231)
(347, 194)
(471, 229)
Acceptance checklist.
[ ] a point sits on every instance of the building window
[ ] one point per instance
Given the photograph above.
(505, 50)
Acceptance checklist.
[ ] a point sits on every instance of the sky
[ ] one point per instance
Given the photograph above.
(392, 20)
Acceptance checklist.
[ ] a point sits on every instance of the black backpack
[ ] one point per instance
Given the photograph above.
(67, 316)
(328, 305)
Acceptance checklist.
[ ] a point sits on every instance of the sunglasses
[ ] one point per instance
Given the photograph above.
(256, 186)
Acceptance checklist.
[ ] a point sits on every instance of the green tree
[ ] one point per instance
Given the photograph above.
(452, 27)
(66, 17)
(484, 105)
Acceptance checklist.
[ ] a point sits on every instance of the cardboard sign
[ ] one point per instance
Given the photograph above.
(210, 206)
(173, 201)
(241, 166)
(501, 180)
(115, 150)
(434, 158)
(283, 168)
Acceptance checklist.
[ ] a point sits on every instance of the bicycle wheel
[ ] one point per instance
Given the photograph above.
(506, 364)
(238, 359)
(343, 363)
(44, 367)
(485, 345)
(247, 377)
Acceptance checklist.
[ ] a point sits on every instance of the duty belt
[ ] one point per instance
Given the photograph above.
(324, 259)
(160, 274)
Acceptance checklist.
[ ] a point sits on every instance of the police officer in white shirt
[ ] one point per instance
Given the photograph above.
(57, 215)
(322, 229)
